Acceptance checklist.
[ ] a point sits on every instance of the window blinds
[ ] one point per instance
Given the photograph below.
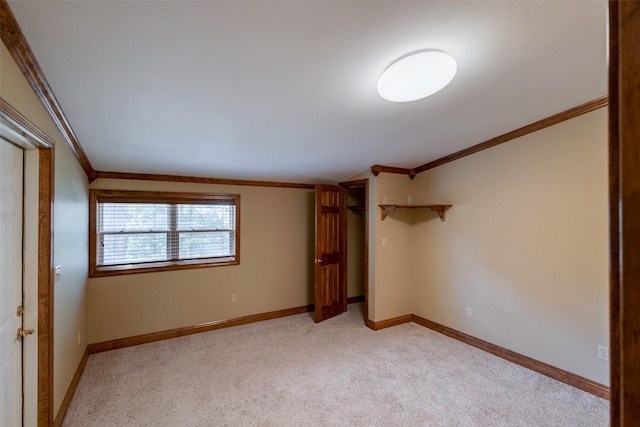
(143, 232)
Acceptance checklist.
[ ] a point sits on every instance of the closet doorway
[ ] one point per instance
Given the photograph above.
(358, 242)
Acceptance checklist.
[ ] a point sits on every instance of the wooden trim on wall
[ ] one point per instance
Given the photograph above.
(189, 330)
(366, 249)
(624, 209)
(376, 169)
(45, 287)
(64, 407)
(342, 247)
(356, 299)
(355, 183)
(395, 321)
(17, 45)
(23, 125)
(200, 180)
(519, 359)
(614, 222)
(525, 130)
(142, 339)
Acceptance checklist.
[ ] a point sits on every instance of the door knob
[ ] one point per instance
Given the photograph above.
(24, 332)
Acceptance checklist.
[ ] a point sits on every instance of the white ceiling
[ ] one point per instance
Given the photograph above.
(287, 90)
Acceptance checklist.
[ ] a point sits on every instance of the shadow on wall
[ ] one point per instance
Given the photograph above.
(424, 215)
(402, 215)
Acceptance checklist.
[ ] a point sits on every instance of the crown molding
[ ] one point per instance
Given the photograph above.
(525, 130)
(376, 169)
(17, 45)
(200, 180)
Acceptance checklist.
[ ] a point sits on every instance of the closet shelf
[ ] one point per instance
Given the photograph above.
(439, 209)
(358, 210)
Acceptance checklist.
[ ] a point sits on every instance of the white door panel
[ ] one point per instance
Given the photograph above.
(11, 177)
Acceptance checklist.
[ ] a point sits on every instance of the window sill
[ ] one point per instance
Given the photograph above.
(151, 267)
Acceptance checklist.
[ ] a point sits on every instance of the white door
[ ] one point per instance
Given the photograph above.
(11, 195)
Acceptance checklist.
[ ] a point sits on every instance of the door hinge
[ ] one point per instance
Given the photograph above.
(20, 311)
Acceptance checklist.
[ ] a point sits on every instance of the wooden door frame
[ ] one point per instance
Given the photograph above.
(624, 210)
(45, 146)
(46, 276)
(352, 184)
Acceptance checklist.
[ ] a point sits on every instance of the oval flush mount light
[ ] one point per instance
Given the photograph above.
(416, 76)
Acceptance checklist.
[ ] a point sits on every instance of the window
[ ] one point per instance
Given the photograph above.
(135, 231)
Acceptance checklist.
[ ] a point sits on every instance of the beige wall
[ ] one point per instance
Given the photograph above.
(275, 271)
(70, 232)
(525, 246)
(393, 262)
(71, 236)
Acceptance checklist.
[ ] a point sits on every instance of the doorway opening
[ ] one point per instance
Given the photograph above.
(357, 236)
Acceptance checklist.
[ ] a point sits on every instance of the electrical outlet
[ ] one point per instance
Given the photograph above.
(469, 312)
(603, 353)
(384, 241)
(234, 298)
(410, 200)
(384, 200)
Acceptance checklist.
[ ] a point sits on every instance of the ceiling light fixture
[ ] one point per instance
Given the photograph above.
(416, 76)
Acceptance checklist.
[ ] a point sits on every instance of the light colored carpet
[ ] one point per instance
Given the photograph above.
(292, 372)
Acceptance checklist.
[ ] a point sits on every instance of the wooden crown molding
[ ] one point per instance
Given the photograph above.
(357, 182)
(525, 130)
(16, 43)
(533, 127)
(14, 40)
(376, 169)
(199, 180)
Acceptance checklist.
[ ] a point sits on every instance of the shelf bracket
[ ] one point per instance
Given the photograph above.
(439, 210)
(386, 209)
(358, 210)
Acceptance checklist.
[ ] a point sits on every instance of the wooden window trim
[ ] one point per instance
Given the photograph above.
(96, 196)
